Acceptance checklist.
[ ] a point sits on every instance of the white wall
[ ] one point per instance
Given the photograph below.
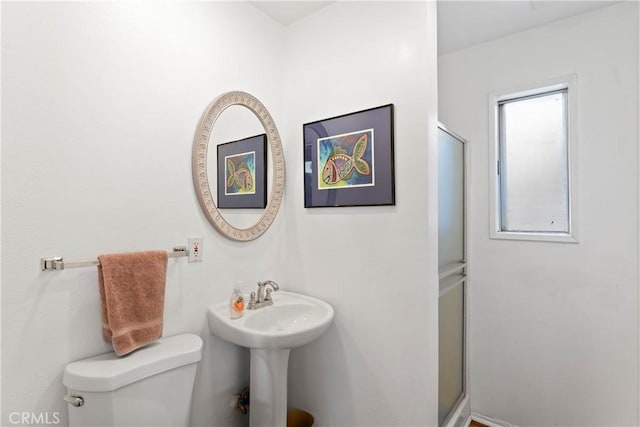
(100, 104)
(377, 365)
(554, 327)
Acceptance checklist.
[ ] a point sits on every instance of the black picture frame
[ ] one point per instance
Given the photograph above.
(242, 173)
(349, 159)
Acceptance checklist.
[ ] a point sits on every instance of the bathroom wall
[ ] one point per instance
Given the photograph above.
(377, 266)
(100, 103)
(554, 327)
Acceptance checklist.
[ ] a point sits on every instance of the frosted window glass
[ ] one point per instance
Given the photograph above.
(533, 167)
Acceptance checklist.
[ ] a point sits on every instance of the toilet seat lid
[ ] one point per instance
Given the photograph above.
(108, 372)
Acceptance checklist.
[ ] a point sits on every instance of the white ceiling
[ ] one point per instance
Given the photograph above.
(287, 12)
(465, 23)
(462, 23)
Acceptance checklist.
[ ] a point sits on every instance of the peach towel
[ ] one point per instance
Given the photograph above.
(132, 297)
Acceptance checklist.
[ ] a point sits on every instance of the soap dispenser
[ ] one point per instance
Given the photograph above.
(236, 304)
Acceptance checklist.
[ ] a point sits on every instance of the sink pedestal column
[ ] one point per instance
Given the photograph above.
(268, 391)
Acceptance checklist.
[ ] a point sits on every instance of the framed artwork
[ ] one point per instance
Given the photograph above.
(242, 173)
(348, 160)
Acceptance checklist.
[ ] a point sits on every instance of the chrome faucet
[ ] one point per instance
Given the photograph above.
(262, 298)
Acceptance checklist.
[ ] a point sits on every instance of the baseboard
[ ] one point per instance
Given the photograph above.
(460, 417)
(488, 421)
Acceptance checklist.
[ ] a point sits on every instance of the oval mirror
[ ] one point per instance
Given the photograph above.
(234, 126)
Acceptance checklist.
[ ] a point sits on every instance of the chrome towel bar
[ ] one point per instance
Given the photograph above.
(58, 263)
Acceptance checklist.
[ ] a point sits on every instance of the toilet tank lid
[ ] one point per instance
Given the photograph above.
(108, 372)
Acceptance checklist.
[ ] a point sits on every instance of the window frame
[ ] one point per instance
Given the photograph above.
(568, 83)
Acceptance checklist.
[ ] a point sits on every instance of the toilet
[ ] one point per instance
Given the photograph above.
(149, 387)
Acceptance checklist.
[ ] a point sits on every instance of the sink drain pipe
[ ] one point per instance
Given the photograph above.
(240, 401)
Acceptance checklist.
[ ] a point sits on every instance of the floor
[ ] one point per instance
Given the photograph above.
(476, 424)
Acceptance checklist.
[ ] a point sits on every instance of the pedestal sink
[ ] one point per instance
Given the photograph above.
(271, 332)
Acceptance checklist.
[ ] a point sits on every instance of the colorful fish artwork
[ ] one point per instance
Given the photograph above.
(240, 174)
(346, 160)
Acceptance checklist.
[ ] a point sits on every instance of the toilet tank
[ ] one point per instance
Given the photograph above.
(149, 387)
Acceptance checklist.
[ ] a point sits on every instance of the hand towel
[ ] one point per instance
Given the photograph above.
(132, 296)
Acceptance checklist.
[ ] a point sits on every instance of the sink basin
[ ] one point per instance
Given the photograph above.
(293, 320)
(271, 332)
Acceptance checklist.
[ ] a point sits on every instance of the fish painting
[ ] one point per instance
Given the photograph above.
(340, 165)
(240, 179)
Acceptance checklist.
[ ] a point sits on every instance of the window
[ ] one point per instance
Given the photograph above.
(532, 197)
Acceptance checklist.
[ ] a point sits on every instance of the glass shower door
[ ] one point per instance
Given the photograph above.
(452, 271)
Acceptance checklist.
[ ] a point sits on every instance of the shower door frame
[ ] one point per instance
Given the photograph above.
(460, 415)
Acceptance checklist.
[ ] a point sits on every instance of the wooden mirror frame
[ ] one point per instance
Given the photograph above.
(199, 165)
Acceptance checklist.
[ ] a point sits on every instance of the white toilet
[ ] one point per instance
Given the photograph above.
(149, 387)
